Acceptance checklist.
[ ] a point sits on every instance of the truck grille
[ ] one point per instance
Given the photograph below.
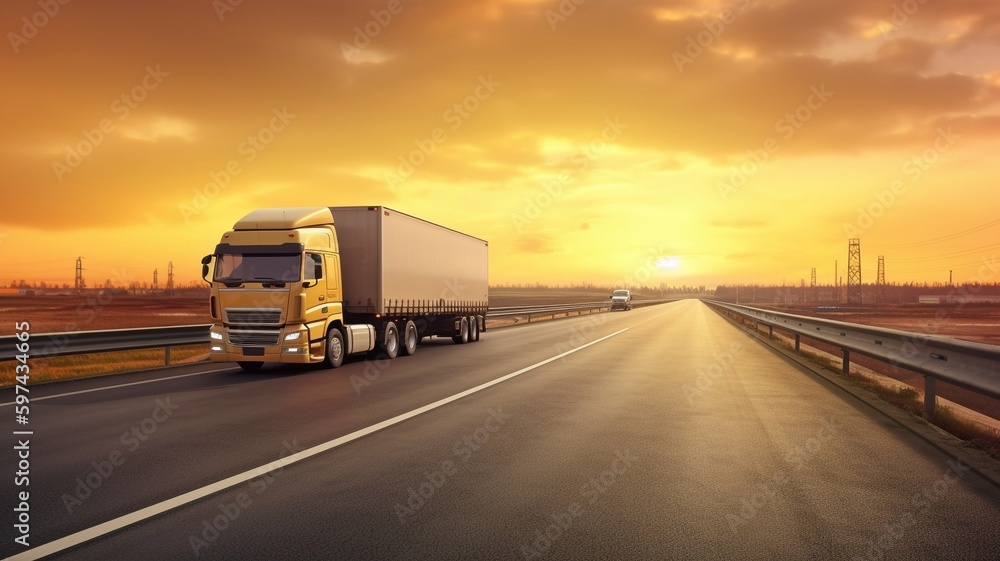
(253, 316)
(254, 338)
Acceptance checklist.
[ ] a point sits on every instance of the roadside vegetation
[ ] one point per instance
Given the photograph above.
(99, 364)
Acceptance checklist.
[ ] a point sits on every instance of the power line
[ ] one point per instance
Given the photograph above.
(952, 255)
(979, 263)
(948, 237)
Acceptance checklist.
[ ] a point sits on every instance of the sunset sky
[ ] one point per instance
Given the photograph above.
(683, 141)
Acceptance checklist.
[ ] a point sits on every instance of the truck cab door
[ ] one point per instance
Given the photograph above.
(314, 274)
(333, 286)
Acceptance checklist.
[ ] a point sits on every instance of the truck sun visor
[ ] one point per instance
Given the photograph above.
(283, 249)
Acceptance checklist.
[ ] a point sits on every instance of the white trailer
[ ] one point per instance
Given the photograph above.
(392, 261)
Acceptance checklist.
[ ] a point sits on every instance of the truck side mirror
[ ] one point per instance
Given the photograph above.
(204, 267)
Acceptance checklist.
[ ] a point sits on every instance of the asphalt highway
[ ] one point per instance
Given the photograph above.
(659, 433)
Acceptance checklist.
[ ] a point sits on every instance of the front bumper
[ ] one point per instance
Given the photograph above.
(294, 351)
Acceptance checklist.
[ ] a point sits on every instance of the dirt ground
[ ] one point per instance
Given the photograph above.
(57, 314)
(972, 323)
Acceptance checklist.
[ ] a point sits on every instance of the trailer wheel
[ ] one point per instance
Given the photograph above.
(463, 332)
(473, 329)
(410, 338)
(335, 350)
(250, 366)
(390, 341)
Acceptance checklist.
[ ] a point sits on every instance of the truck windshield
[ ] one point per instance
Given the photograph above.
(239, 267)
(621, 293)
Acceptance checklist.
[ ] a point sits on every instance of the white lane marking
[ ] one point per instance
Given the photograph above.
(33, 399)
(82, 536)
(657, 316)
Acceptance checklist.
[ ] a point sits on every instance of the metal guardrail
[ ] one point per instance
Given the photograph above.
(969, 365)
(84, 342)
(553, 310)
(546, 310)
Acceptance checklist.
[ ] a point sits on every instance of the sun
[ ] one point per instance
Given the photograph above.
(668, 263)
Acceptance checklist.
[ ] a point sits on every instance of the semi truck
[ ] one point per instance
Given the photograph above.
(316, 284)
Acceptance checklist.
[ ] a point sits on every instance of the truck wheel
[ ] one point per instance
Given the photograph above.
(335, 350)
(390, 342)
(410, 338)
(463, 332)
(473, 329)
(250, 366)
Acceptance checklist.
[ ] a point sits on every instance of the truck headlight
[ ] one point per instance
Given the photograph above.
(293, 336)
(215, 335)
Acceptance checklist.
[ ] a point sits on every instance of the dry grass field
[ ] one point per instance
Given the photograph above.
(980, 323)
(100, 364)
(57, 314)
